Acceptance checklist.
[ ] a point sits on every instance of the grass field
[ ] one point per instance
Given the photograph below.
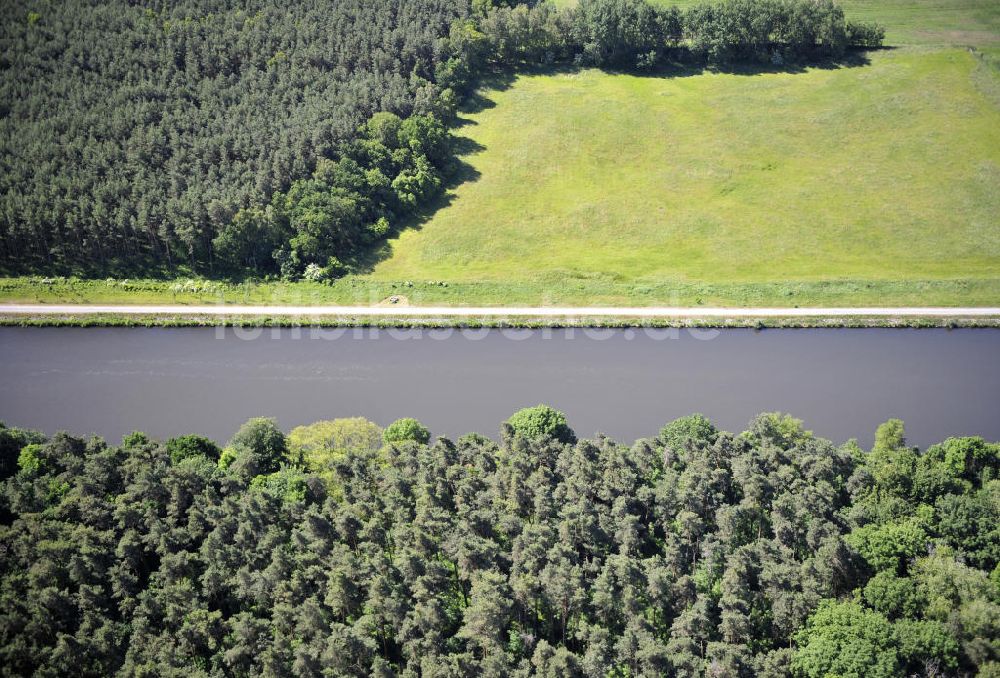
(886, 172)
(922, 22)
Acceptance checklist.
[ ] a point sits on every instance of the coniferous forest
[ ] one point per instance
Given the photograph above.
(287, 139)
(345, 550)
(134, 132)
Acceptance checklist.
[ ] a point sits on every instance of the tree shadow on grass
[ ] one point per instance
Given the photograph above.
(365, 260)
(460, 172)
(680, 68)
(478, 101)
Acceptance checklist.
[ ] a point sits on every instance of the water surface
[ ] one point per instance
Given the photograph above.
(627, 384)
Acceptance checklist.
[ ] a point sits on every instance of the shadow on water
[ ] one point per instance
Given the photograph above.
(479, 100)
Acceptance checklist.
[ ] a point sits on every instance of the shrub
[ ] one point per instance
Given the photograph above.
(865, 34)
(314, 273)
(379, 229)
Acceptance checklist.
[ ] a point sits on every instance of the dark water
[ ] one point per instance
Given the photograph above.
(627, 384)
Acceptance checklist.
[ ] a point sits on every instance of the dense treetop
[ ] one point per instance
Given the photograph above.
(329, 552)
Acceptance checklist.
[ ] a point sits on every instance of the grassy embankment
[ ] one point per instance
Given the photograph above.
(870, 185)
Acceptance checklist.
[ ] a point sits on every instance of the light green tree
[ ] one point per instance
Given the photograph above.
(317, 446)
(534, 422)
(406, 429)
(845, 640)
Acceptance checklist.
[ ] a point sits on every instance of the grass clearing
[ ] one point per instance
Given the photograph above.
(931, 22)
(883, 173)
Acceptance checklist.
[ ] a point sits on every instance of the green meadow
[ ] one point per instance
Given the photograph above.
(938, 22)
(879, 174)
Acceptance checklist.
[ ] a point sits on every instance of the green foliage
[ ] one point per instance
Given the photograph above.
(542, 420)
(694, 428)
(950, 586)
(968, 457)
(970, 521)
(135, 440)
(618, 32)
(933, 478)
(319, 446)
(12, 441)
(406, 429)
(892, 464)
(894, 596)
(844, 639)
(779, 429)
(762, 30)
(925, 644)
(287, 485)
(890, 436)
(258, 448)
(249, 239)
(383, 128)
(890, 546)
(186, 447)
(310, 445)
(31, 460)
(862, 34)
(425, 136)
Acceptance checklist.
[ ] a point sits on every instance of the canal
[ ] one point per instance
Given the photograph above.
(625, 383)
